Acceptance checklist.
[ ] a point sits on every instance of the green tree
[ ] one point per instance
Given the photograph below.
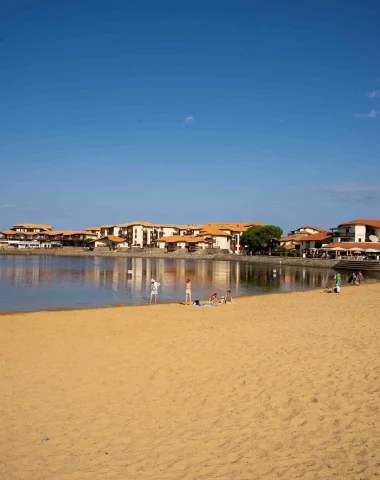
(256, 236)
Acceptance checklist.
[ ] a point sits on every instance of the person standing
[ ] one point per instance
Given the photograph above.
(338, 279)
(188, 292)
(153, 290)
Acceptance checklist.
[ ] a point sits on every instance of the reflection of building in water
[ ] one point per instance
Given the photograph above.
(235, 278)
(111, 274)
(137, 277)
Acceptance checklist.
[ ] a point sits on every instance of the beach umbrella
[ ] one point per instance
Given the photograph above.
(372, 250)
(338, 249)
(356, 249)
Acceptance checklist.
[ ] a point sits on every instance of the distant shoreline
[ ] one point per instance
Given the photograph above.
(288, 261)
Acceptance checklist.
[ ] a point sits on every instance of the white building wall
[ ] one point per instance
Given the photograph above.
(109, 231)
(360, 233)
(138, 235)
(222, 242)
(168, 231)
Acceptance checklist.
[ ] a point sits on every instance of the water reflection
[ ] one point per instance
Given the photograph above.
(37, 282)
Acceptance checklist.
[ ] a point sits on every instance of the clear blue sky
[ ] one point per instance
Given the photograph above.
(189, 111)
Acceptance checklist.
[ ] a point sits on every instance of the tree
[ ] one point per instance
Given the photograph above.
(256, 236)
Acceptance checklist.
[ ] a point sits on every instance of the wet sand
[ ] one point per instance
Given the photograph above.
(280, 386)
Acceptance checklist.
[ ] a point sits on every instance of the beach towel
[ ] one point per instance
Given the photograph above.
(205, 305)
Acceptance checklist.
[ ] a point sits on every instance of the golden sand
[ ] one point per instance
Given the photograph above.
(279, 386)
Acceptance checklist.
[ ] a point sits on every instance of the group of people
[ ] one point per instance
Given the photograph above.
(227, 299)
(356, 279)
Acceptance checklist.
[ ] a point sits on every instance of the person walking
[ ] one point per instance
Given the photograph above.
(188, 292)
(153, 290)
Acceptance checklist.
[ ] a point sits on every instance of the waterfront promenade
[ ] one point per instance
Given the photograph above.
(265, 388)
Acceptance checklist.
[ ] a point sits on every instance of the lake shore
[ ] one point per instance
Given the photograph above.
(273, 260)
(279, 386)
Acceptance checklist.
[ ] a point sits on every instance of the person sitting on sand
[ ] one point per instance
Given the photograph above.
(228, 297)
(214, 298)
(222, 299)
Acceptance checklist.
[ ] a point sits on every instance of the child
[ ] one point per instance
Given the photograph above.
(153, 290)
(228, 297)
(214, 298)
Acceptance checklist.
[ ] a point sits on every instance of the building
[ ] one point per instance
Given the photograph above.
(315, 241)
(357, 231)
(293, 240)
(106, 230)
(94, 231)
(36, 236)
(216, 238)
(307, 230)
(31, 228)
(222, 236)
(67, 238)
(109, 241)
(138, 233)
(182, 242)
(145, 234)
(226, 236)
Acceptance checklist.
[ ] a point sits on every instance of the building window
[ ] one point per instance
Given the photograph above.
(360, 239)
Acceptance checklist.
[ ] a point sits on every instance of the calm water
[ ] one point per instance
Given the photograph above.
(38, 282)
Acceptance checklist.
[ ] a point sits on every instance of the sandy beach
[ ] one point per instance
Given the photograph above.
(279, 386)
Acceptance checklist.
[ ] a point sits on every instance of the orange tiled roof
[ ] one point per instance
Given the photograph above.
(189, 227)
(65, 232)
(12, 232)
(158, 225)
(138, 222)
(110, 237)
(319, 229)
(181, 238)
(116, 239)
(316, 237)
(93, 228)
(294, 236)
(287, 247)
(233, 226)
(109, 226)
(370, 223)
(32, 225)
(213, 232)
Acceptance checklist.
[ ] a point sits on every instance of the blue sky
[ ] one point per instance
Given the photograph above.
(189, 111)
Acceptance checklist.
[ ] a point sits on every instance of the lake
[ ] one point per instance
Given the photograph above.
(47, 282)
